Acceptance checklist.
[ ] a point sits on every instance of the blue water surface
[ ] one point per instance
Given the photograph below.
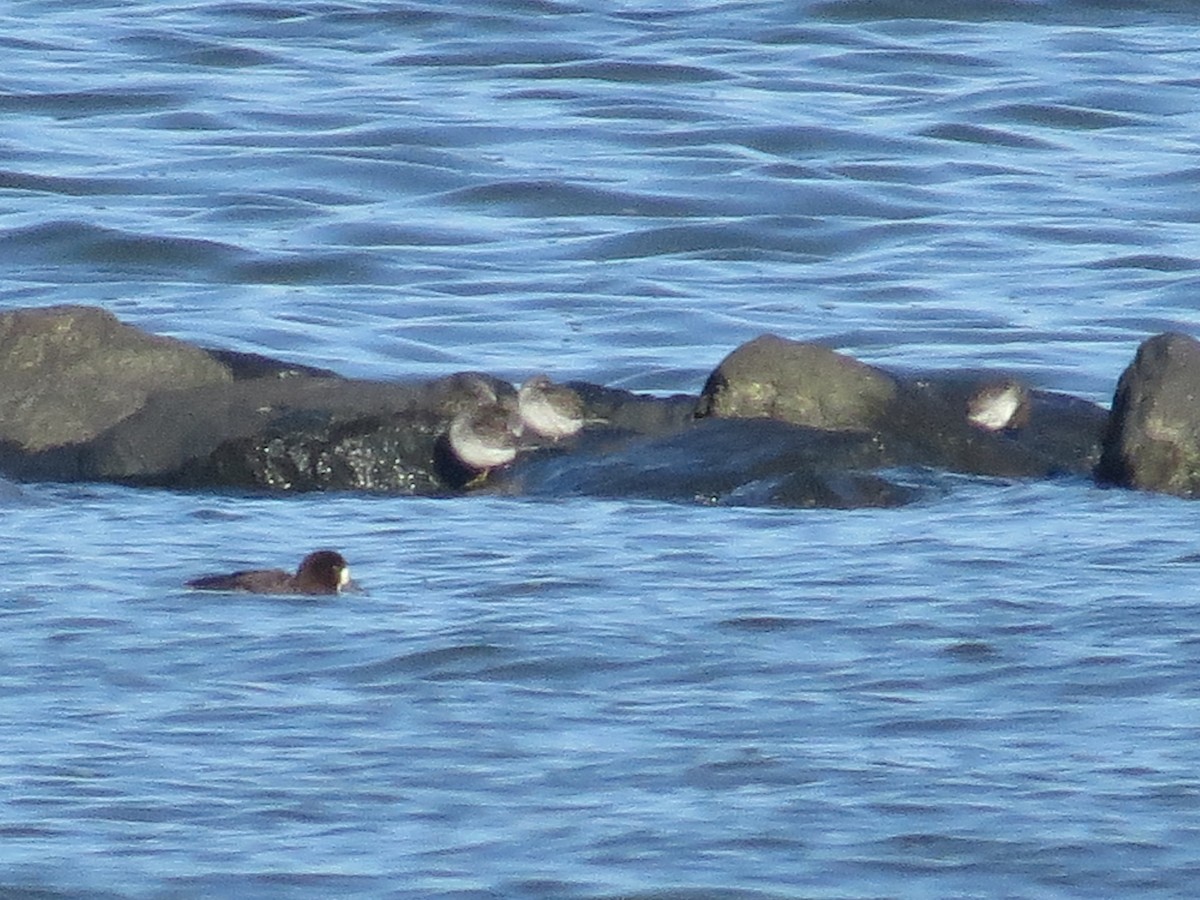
(990, 693)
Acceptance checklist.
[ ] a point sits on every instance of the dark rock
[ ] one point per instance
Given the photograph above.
(1153, 437)
(298, 433)
(255, 423)
(931, 420)
(195, 437)
(720, 461)
(805, 384)
(630, 413)
(1067, 431)
(316, 450)
(243, 366)
(70, 372)
(779, 423)
(929, 423)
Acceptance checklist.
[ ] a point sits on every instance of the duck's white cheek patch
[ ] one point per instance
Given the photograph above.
(344, 578)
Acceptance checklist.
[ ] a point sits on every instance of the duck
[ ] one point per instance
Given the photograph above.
(321, 572)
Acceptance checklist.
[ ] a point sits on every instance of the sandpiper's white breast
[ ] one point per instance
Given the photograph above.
(996, 407)
(485, 437)
(551, 410)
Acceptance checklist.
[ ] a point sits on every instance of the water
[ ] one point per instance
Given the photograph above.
(988, 694)
(924, 702)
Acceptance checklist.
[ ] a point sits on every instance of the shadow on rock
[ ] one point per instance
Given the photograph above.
(721, 461)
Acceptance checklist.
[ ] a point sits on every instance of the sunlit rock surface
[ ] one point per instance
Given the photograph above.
(69, 372)
(1153, 436)
(805, 384)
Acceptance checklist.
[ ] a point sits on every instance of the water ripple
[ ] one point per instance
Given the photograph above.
(593, 698)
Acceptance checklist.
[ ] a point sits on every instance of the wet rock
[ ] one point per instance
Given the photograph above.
(1153, 437)
(801, 383)
(981, 423)
(317, 450)
(624, 412)
(69, 372)
(779, 423)
(760, 462)
(930, 423)
(245, 366)
(266, 433)
(1066, 431)
(297, 433)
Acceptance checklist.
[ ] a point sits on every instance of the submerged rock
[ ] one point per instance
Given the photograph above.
(1153, 437)
(756, 462)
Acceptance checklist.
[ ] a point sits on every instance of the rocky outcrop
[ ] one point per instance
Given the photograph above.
(69, 372)
(931, 423)
(981, 423)
(85, 397)
(1153, 437)
(279, 434)
(294, 433)
(779, 422)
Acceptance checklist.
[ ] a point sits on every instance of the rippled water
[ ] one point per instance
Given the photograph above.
(991, 694)
(598, 699)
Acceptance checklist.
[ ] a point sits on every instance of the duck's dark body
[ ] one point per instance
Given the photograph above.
(322, 572)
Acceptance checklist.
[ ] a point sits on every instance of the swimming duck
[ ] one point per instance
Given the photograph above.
(321, 572)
